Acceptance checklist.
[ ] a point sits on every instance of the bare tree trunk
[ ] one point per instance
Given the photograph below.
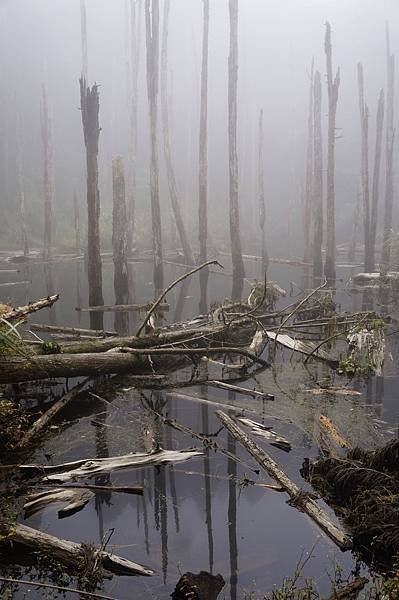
(89, 103)
(317, 181)
(356, 217)
(236, 252)
(83, 34)
(386, 248)
(188, 255)
(203, 162)
(261, 205)
(21, 190)
(376, 178)
(307, 214)
(364, 126)
(332, 86)
(47, 138)
(152, 39)
(119, 245)
(76, 219)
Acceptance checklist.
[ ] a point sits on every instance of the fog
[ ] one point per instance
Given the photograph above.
(40, 41)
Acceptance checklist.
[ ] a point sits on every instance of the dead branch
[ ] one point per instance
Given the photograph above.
(23, 311)
(60, 588)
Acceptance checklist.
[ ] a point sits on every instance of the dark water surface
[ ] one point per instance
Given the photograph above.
(198, 515)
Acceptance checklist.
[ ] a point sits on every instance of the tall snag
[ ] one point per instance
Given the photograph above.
(76, 221)
(152, 43)
(21, 188)
(89, 104)
(376, 179)
(317, 181)
(261, 197)
(364, 126)
(389, 143)
(48, 175)
(307, 213)
(236, 252)
(119, 244)
(188, 255)
(83, 39)
(203, 162)
(332, 87)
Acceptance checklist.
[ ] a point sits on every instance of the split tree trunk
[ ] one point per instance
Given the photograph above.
(364, 120)
(188, 255)
(389, 143)
(89, 103)
(307, 214)
(203, 162)
(317, 181)
(376, 179)
(236, 251)
(119, 245)
(261, 197)
(152, 42)
(332, 87)
(47, 138)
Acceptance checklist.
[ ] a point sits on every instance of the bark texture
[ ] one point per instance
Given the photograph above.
(317, 181)
(332, 87)
(89, 104)
(119, 245)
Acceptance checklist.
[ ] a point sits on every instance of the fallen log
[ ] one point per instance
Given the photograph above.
(298, 498)
(72, 330)
(88, 467)
(23, 311)
(193, 351)
(240, 390)
(164, 307)
(71, 553)
(72, 500)
(304, 347)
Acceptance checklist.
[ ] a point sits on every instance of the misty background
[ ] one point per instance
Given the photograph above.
(40, 41)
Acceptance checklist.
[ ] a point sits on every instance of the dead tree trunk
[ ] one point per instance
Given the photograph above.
(21, 190)
(317, 181)
(47, 138)
(89, 103)
(307, 213)
(152, 42)
(356, 216)
(76, 218)
(389, 143)
(261, 205)
(119, 245)
(83, 35)
(364, 126)
(188, 255)
(203, 164)
(236, 252)
(376, 179)
(332, 87)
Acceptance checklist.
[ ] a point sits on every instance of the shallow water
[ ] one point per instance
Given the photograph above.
(198, 515)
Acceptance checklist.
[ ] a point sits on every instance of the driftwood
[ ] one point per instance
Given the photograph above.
(297, 496)
(304, 347)
(43, 421)
(136, 490)
(88, 467)
(70, 553)
(164, 307)
(267, 433)
(73, 500)
(23, 311)
(240, 390)
(76, 331)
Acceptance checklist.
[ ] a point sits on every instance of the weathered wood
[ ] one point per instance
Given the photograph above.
(389, 147)
(76, 331)
(48, 175)
(76, 219)
(72, 500)
(261, 197)
(376, 178)
(119, 245)
(303, 346)
(240, 390)
(21, 187)
(364, 119)
(23, 311)
(307, 209)
(59, 588)
(164, 307)
(89, 467)
(317, 191)
(297, 496)
(70, 553)
(194, 351)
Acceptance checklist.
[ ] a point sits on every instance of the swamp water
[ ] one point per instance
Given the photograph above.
(201, 514)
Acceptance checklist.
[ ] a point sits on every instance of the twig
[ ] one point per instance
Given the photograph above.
(172, 285)
(57, 587)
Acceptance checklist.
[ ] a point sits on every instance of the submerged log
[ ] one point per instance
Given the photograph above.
(298, 498)
(71, 553)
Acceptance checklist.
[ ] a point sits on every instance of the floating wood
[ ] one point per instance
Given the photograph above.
(298, 498)
(94, 467)
(240, 390)
(73, 500)
(70, 553)
(302, 346)
(267, 433)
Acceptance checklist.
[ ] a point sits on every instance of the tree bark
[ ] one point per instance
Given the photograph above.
(49, 194)
(188, 254)
(119, 245)
(317, 182)
(261, 197)
(389, 144)
(332, 87)
(236, 251)
(89, 103)
(152, 42)
(376, 178)
(364, 120)
(307, 214)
